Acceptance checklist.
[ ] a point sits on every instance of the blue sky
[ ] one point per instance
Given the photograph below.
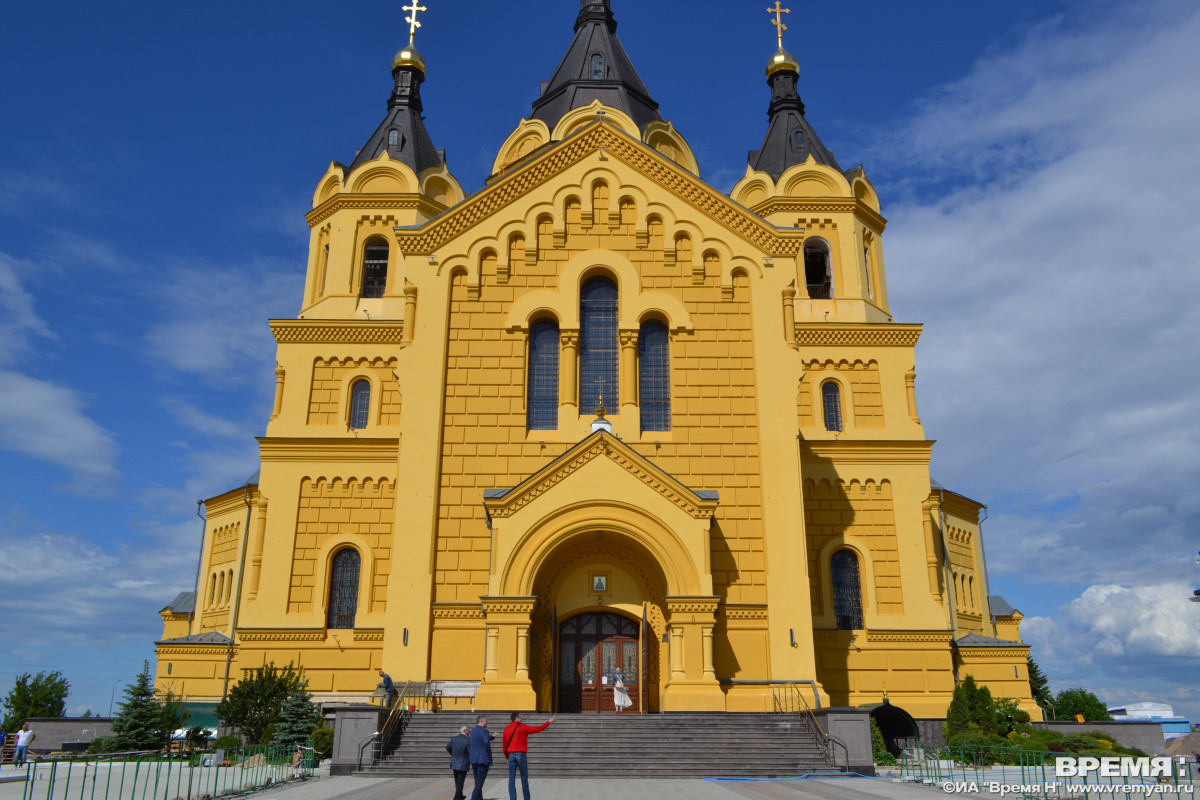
(1036, 161)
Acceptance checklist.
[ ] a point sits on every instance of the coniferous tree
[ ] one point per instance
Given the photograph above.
(297, 718)
(144, 721)
(971, 710)
(1039, 685)
(41, 695)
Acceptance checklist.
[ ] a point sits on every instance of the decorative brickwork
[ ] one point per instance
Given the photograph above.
(326, 405)
(866, 394)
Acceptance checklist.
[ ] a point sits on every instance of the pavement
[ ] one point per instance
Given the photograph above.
(496, 788)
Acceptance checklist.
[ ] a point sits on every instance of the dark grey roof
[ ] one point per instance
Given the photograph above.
(1000, 606)
(495, 494)
(790, 140)
(211, 637)
(975, 640)
(184, 603)
(413, 145)
(572, 85)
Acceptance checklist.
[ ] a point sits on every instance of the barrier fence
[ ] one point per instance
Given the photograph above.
(1013, 772)
(197, 775)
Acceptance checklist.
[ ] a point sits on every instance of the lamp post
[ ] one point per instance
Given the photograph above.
(112, 696)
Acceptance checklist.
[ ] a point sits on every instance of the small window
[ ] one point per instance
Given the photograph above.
(597, 67)
(818, 272)
(542, 409)
(847, 591)
(343, 588)
(393, 138)
(360, 404)
(654, 377)
(375, 267)
(867, 264)
(831, 401)
(798, 140)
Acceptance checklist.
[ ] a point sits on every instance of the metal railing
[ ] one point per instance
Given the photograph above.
(788, 698)
(167, 776)
(1029, 774)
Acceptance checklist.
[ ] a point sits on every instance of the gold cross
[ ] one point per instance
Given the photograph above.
(412, 21)
(778, 11)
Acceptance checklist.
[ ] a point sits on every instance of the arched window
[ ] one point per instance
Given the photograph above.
(375, 265)
(542, 410)
(598, 349)
(212, 590)
(971, 591)
(228, 586)
(597, 67)
(847, 590)
(654, 377)
(818, 270)
(360, 404)
(393, 138)
(343, 588)
(831, 401)
(221, 588)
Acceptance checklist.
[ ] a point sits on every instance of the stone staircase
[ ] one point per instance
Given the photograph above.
(671, 745)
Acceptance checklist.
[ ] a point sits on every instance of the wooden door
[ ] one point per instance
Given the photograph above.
(591, 647)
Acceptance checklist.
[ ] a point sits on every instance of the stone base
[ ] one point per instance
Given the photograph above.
(699, 696)
(506, 696)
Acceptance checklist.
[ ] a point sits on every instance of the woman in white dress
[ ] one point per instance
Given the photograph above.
(620, 694)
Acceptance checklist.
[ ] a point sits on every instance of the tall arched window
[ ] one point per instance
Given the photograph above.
(212, 590)
(831, 401)
(597, 67)
(598, 347)
(542, 410)
(375, 265)
(654, 377)
(360, 404)
(818, 269)
(343, 588)
(847, 590)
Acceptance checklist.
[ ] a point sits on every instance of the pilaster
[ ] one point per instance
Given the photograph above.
(506, 681)
(693, 682)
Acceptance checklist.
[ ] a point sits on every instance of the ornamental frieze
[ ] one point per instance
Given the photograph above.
(305, 331)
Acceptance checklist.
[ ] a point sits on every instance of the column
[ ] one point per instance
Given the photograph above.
(506, 682)
(628, 376)
(567, 365)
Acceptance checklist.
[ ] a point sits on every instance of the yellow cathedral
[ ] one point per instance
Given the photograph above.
(596, 414)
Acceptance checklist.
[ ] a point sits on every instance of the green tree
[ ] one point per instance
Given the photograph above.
(1009, 716)
(41, 695)
(1080, 701)
(144, 721)
(297, 719)
(253, 704)
(971, 710)
(1039, 684)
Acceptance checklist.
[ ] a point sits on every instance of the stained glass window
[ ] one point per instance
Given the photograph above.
(831, 400)
(847, 591)
(343, 588)
(542, 410)
(375, 265)
(360, 404)
(587, 663)
(654, 377)
(597, 67)
(598, 345)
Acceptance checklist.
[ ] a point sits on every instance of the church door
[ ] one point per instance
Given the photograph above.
(591, 647)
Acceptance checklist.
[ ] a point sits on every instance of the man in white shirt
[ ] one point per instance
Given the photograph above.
(24, 737)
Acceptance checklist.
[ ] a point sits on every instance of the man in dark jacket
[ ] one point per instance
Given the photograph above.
(481, 754)
(459, 749)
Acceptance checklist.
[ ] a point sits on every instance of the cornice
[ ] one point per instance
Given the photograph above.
(824, 205)
(848, 451)
(920, 637)
(818, 334)
(737, 611)
(337, 331)
(984, 653)
(600, 445)
(585, 143)
(340, 449)
(508, 605)
(458, 611)
(281, 634)
(368, 634)
(380, 202)
(193, 649)
(692, 604)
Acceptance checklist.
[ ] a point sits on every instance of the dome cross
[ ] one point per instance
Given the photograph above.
(412, 21)
(778, 11)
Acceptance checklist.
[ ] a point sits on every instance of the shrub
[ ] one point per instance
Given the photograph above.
(322, 739)
(229, 742)
(971, 710)
(879, 749)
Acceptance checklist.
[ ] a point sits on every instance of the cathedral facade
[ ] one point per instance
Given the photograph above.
(596, 414)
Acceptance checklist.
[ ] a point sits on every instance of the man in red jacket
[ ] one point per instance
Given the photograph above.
(516, 749)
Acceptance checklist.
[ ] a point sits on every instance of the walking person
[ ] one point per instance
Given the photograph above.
(620, 693)
(481, 754)
(24, 737)
(459, 748)
(515, 745)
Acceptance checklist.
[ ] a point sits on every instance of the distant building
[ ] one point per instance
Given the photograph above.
(1173, 726)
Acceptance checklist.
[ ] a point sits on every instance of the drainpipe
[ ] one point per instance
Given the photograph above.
(237, 598)
(983, 558)
(199, 564)
(946, 563)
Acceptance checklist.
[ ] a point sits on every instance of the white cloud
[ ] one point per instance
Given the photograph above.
(18, 320)
(203, 422)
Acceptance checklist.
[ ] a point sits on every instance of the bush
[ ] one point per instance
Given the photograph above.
(879, 749)
(229, 742)
(322, 739)
(1079, 701)
(104, 744)
(971, 710)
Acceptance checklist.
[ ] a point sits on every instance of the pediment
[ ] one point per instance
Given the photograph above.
(601, 445)
(600, 139)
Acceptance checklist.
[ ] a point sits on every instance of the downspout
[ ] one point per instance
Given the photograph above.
(237, 598)
(199, 564)
(983, 558)
(946, 563)
(491, 549)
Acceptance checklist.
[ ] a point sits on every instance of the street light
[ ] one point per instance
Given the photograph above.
(112, 695)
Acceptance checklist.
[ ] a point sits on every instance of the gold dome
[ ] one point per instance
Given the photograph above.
(408, 57)
(782, 60)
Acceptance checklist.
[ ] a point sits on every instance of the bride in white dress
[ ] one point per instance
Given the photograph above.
(620, 694)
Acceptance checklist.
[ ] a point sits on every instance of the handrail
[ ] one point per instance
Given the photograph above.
(362, 745)
(787, 698)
